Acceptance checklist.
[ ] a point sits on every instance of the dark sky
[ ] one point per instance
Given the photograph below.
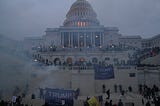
(20, 18)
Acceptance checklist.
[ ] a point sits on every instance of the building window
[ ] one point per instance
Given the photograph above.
(79, 24)
(107, 58)
(115, 59)
(132, 74)
(94, 60)
(84, 24)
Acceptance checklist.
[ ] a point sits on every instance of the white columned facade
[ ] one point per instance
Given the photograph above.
(74, 39)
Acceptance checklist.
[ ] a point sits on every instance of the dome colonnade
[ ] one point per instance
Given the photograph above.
(81, 27)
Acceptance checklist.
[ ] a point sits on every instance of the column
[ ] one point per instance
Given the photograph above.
(93, 36)
(62, 37)
(85, 39)
(90, 35)
(78, 39)
(69, 38)
(159, 72)
(100, 38)
(73, 39)
(103, 39)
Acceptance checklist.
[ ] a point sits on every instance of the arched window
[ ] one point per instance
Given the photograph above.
(107, 58)
(69, 60)
(57, 61)
(94, 60)
(79, 24)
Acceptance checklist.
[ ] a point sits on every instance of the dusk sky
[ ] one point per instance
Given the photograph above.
(25, 18)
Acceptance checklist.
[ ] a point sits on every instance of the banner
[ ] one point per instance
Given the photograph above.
(60, 93)
(55, 97)
(103, 72)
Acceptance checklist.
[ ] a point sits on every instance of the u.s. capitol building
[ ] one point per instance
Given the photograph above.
(83, 42)
(83, 38)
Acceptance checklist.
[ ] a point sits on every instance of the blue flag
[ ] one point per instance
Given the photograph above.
(104, 72)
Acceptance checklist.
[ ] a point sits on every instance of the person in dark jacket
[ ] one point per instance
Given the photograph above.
(106, 103)
(148, 104)
(120, 103)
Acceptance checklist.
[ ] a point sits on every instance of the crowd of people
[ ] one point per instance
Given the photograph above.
(110, 103)
(79, 63)
(148, 52)
(151, 94)
(53, 48)
(15, 101)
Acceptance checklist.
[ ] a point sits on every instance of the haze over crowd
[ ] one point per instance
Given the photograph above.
(24, 18)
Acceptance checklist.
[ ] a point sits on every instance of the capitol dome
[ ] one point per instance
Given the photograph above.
(81, 14)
